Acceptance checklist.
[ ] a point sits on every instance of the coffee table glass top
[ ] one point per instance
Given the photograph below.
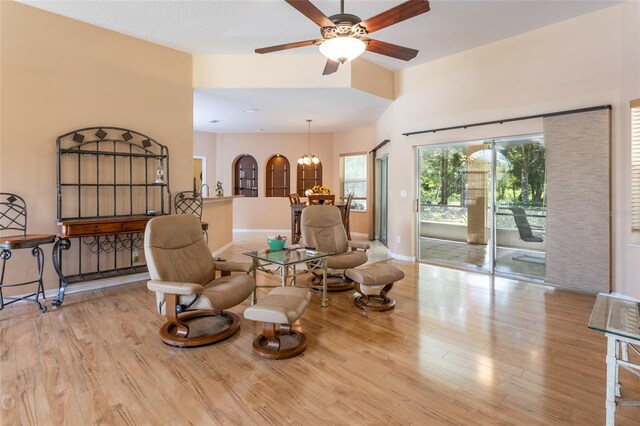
(616, 316)
(287, 257)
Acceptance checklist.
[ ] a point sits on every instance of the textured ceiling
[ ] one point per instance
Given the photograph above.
(238, 27)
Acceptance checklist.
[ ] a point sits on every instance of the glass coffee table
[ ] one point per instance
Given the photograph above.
(619, 319)
(286, 262)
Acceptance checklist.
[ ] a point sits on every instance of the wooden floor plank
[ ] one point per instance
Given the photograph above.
(459, 348)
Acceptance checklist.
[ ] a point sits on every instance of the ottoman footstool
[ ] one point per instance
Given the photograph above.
(379, 275)
(281, 308)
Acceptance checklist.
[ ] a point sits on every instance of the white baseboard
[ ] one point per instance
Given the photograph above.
(401, 257)
(623, 296)
(96, 284)
(273, 231)
(221, 249)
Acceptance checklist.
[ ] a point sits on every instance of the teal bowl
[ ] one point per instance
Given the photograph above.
(276, 245)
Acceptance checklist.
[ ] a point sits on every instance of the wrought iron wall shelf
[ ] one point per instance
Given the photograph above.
(110, 182)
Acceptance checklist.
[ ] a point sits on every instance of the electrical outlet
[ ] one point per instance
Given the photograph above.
(136, 255)
(398, 239)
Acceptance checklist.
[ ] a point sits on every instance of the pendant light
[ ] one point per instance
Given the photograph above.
(308, 158)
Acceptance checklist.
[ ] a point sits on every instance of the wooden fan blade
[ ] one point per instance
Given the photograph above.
(330, 67)
(310, 11)
(286, 46)
(393, 50)
(396, 14)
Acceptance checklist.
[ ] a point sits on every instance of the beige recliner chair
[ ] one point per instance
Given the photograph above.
(322, 229)
(183, 275)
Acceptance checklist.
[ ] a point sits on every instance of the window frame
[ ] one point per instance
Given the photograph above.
(634, 128)
(343, 180)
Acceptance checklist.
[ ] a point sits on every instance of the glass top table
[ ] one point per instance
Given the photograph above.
(619, 319)
(617, 316)
(287, 261)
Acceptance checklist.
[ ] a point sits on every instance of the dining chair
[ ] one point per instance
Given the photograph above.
(294, 199)
(347, 213)
(326, 199)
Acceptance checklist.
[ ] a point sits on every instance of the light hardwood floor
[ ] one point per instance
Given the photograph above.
(458, 349)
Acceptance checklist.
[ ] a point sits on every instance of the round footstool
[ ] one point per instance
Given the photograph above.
(282, 307)
(379, 275)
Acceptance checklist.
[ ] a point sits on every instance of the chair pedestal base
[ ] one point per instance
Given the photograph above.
(268, 344)
(335, 283)
(175, 332)
(374, 302)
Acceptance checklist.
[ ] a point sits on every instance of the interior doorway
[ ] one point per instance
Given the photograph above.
(199, 172)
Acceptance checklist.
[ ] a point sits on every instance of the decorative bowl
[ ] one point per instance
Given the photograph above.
(276, 245)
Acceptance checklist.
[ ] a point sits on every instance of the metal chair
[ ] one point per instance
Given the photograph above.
(190, 202)
(524, 228)
(13, 217)
(526, 234)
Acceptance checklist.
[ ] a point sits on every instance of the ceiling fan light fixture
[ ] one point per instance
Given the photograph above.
(342, 49)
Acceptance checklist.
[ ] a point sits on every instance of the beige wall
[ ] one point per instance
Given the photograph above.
(372, 78)
(57, 75)
(272, 212)
(218, 213)
(354, 141)
(204, 144)
(586, 61)
(240, 71)
(288, 71)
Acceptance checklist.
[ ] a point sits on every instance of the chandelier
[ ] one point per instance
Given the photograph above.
(308, 158)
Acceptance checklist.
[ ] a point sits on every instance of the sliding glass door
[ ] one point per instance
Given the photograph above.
(520, 207)
(482, 205)
(383, 185)
(454, 195)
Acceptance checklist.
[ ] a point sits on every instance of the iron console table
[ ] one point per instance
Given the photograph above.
(110, 182)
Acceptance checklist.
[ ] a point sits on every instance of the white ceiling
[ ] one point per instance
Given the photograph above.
(285, 110)
(239, 27)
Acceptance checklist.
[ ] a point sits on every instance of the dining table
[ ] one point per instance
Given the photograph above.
(296, 213)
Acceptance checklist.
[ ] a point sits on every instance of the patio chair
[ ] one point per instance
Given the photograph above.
(526, 234)
(524, 228)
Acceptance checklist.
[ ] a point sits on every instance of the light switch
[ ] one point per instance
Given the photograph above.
(403, 193)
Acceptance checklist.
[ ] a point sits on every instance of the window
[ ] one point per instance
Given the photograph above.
(354, 179)
(635, 165)
(278, 174)
(308, 177)
(245, 176)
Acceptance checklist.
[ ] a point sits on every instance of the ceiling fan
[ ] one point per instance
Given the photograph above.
(344, 36)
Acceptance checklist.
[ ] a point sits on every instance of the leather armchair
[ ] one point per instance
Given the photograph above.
(183, 276)
(322, 229)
